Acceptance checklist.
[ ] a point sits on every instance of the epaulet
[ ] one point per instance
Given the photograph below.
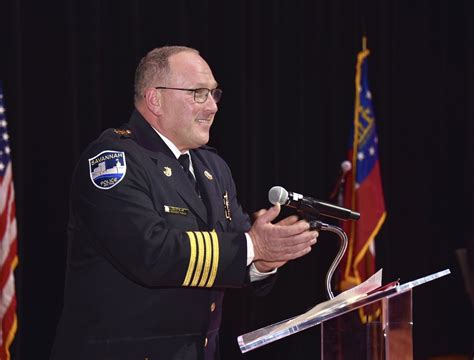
(123, 132)
(208, 148)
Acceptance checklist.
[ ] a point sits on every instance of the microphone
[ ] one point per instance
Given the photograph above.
(314, 207)
(346, 166)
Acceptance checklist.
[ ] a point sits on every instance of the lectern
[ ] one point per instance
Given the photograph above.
(343, 335)
(387, 335)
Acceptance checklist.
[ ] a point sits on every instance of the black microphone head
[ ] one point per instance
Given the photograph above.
(277, 194)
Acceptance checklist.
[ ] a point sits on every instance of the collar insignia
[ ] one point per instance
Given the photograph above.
(167, 171)
(208, 175)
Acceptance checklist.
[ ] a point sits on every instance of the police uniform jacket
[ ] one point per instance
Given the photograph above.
(148, 259)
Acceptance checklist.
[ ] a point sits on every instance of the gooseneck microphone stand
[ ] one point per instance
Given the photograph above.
(320, 226)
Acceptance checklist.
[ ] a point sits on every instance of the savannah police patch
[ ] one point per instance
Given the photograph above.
(107, 169)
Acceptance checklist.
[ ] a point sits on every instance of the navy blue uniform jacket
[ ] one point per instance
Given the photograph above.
(147, 258)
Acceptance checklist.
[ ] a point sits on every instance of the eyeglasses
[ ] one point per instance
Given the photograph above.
(200, 95)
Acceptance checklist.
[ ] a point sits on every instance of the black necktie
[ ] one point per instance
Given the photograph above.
(184, 161)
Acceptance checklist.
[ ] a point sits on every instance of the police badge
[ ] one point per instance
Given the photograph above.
(107, 169)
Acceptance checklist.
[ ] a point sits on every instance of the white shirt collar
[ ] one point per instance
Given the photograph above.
(174, 149)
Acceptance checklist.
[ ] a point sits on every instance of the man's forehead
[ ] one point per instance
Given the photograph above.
(188, 64)
(188, 60)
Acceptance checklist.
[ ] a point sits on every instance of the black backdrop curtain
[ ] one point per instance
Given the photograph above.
(287, 70)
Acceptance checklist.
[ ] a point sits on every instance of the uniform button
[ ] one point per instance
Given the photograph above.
(213, 307)
(205, 342)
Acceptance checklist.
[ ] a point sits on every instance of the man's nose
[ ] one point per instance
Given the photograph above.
(211, 104)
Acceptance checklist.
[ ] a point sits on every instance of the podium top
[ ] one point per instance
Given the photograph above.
(364, 294)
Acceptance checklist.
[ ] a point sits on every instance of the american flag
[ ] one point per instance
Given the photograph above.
(363, 187)
(8, 242)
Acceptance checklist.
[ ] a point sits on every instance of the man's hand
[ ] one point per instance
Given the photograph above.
(275, 244)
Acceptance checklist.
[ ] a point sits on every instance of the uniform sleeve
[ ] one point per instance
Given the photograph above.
(125, 225)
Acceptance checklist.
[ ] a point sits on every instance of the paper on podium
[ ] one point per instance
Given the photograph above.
(364, 293)
(343, 299)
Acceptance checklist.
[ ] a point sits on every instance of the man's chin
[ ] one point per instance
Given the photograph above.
(204, 139)
(200, 142)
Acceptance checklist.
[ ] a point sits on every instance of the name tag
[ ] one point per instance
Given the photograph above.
(176, 210)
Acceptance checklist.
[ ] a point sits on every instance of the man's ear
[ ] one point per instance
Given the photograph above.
(153, 101)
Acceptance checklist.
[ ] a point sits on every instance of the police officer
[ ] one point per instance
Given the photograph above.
(156, 232)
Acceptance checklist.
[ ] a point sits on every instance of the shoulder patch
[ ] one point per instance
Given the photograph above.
(107, 169)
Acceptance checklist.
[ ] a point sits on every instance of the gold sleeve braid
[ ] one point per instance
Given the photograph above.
(207, 263)
(200, 258)
(203, 259)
